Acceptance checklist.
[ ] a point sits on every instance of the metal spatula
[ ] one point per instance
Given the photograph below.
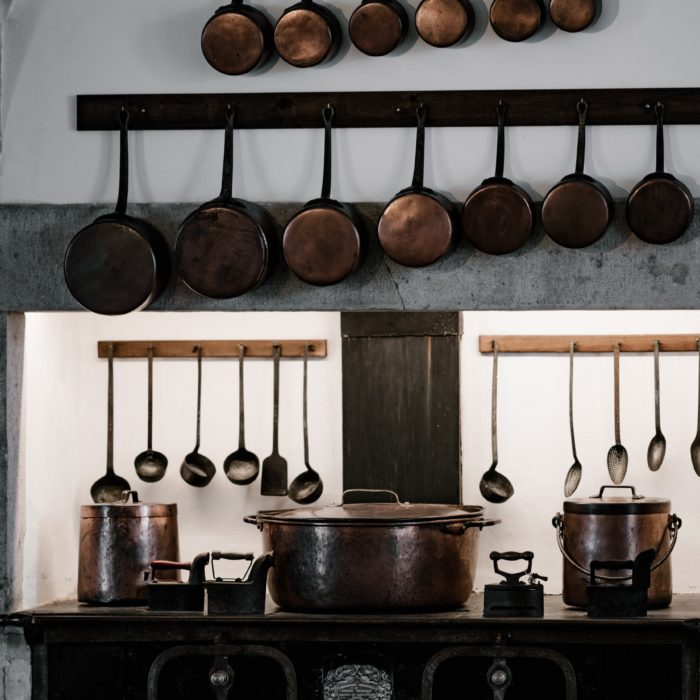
(273, 481)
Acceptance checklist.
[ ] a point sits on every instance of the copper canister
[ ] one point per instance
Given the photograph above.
(615, 528)
(118, 542)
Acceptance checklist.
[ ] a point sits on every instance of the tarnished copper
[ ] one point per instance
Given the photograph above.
(444, 23)
(118, 542)
(415, 229)
(233, 43)
(377, 27)
(573, 15)
(305, 35)
(516, 20)
(321, 245)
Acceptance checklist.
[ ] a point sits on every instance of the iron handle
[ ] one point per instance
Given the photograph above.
(620, 486)
(232, 556)
(461, 527)
(393, 493)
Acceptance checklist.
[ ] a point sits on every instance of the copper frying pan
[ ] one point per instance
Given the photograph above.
(516, 20)
(574, 15)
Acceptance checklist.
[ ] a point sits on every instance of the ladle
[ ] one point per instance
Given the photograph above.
(657, 447)
(196, 469)
(307, 487)
(150, 464)
(108, 489)
(494, 487)
(695, 447)
(241, 466)
(573, 476)
(617, 454)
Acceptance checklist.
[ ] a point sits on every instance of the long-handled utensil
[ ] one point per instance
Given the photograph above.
(196, 469)
(657, 447)
(241, 466)
(274, 468)
(108, 489)
(494, 487)
(307, 487)
(573, 476)
(695, 446)
(150, 464)
(617, 454)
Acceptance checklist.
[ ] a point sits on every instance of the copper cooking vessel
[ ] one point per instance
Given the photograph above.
(377, 27)
(615, 528)
(444, 23)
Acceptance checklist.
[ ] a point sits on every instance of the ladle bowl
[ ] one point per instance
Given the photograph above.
(150, 465)
(307, 487)
(695, 454)
(109, 488)
(495, 487)
(242, 466)
(196, 469)
(656, 451)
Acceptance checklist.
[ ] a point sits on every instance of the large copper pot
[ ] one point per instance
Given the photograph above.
(118, 542)
(615, 528)
(370, 556)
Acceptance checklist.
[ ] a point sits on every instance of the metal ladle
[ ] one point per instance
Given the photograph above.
(617, 454)
(108, 489)
(573, 476)
(196, 469)
(695, 446)
(241, 466)
(657, 447)
(150, 464)
(494, 487)
(307, 487)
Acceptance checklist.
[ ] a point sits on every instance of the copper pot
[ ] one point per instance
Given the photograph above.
(422, 555)
(615, 528)
(118, 542)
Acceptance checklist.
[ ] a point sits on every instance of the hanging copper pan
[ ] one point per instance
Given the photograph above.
(324, 242)
(377, 27)
(498, 216)
(118, 263)
(660, 208)
(237, 39)
(577, 211)
(516, 20)
(444, 23)
(419, 225)
(225, 247)
(574, 15)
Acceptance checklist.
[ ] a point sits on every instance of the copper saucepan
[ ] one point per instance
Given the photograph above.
(377, 27)
(516, 20)
(574, 15)
(444, 23)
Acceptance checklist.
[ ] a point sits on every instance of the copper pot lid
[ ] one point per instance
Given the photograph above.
(617, 505)
(129, 509)
(377, 513)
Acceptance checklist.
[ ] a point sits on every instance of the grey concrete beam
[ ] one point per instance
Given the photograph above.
(618, 272)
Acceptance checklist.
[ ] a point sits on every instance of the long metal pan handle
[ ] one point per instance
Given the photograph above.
(463, 525)
(674, 524)
(392, 493)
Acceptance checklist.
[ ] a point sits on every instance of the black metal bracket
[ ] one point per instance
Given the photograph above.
(388, 109)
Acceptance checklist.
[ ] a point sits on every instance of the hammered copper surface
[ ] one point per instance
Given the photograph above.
(415, 230)
(516, 20)
(321, 245)
(573, 15)
(615, 538)
(444, 22)
(303, 38)
(576, 213)
(498, 218)
(221, 252)
(660, 209)
(375, 28)
(233, 43)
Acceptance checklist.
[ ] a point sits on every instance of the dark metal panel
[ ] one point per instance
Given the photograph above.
(390, 324)
(388, 109)
(401, 415)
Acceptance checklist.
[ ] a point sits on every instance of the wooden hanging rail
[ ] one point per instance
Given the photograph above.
(387, 109)
(210, 348)
(588, 343)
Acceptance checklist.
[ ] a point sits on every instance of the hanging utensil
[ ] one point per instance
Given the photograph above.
(196, 469)
(516, 20)
(695, 446)
(573, 476)
(660, 208)
(574, 15)
(443, 23)
(274, 467)
(617, 454)
(150, 464)
(109, 488)
(495, 487)
(307, 487)
(498, 216)
(241, 466)
(657, 447)
(377, 27)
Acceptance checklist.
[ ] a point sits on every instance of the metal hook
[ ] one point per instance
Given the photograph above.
(421, 113)
(328, 113)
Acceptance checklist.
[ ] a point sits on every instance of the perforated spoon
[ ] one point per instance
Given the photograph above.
(617, 454)
(657, 447)
(573, 476)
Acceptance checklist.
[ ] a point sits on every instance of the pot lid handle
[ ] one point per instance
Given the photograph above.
(392, 493)
(609, 486)
(134, 496)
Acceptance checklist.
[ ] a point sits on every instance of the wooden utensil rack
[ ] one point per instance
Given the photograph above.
(211, 348)
(588, 343)
(387, 109)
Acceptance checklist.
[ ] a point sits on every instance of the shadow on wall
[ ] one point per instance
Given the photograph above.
(15, 665)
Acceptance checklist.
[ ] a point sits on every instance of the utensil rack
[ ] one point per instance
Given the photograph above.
(211, 348)
(387, 109)
(588, 343)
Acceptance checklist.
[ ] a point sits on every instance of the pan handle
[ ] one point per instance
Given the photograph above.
(387, 491)
(462, 526)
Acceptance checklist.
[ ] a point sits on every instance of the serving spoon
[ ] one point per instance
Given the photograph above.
(617, 454)
(695, 446)
(657, 447)
(573, 476)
